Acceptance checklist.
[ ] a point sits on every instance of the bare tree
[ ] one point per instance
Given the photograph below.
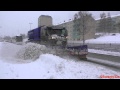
(106, 23)
(110, 24)
(83, 23)
(102, 23)
(75, 26)
(118, 26)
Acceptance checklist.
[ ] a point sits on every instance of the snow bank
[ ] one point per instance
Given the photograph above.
(31, 51)
(49, 66)
(106, 39)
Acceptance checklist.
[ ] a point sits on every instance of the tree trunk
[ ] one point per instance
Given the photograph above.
(83, 32)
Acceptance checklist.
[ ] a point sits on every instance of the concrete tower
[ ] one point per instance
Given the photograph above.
(45, 20)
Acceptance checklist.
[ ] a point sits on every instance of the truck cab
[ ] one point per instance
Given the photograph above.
(54, 35)
(49, 35)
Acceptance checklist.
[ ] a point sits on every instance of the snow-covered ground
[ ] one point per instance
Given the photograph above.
(106, 39)
(47, 66)
(103, 39)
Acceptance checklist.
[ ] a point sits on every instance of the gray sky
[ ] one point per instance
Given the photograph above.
(15, 22)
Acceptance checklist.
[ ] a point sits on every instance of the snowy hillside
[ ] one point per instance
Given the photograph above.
(46, 66)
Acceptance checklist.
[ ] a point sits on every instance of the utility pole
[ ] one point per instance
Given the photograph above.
(30, 25)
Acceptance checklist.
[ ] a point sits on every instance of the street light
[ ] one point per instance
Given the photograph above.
(30, 25)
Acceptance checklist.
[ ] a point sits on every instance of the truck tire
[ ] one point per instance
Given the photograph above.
(64, 44)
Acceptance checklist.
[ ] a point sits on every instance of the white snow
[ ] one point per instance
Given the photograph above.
(30, 51)
(106, 39)
(25, 40)
(8, 50)
(47, 66)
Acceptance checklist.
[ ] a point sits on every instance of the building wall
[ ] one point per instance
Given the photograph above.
(90, 30)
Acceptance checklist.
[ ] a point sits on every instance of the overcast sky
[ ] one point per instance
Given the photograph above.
(15, 22)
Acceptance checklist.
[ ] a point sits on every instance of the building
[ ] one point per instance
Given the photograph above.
(45, 20)
(72, 33)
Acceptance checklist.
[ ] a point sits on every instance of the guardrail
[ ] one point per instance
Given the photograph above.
(108, 60)
(106, 47)
(102, 46)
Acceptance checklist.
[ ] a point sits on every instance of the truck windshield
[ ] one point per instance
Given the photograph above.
(55, 31)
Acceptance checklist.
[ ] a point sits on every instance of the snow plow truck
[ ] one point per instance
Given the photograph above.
(52, 36)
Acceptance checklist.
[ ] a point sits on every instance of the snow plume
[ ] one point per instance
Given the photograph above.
(31, 51)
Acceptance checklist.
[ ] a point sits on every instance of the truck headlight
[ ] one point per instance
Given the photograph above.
(53, 38)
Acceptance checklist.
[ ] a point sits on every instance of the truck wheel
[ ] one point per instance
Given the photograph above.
(52, 42)
(64, 43)
(83, 57)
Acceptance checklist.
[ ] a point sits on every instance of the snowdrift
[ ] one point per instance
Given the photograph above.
(12, 52)
(31, 51)
(47, 66)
